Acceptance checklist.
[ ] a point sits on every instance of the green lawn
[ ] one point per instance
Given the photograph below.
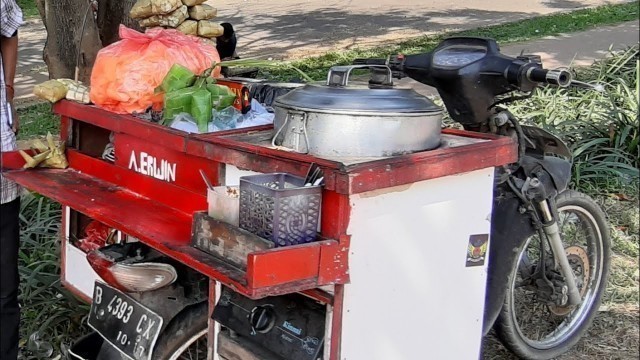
(29, 9)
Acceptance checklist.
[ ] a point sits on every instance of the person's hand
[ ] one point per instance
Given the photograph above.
(15, 123)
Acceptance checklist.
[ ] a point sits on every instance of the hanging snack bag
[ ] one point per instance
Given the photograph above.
(151, 21)
(51, 90)
(193, 2)
(209, 29)
(146, 8)
(175, 18)
(188, 27)
(202, 12)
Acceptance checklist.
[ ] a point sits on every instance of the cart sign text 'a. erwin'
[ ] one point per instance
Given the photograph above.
(152, 166)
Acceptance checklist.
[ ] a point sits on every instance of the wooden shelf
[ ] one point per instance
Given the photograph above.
(299, 268)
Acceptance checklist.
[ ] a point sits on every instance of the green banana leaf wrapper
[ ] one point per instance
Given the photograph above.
(198, 100)
(178, 77)
(221, 96)
(176, 102)
(223, 101)
(201, 109)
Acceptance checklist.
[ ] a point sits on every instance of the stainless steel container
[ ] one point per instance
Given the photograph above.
(345, 120)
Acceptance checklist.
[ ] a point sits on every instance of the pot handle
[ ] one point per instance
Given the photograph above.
(339, 75)
(295, 134)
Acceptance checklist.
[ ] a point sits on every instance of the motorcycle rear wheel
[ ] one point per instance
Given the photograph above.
(585, 236)
(185, 338)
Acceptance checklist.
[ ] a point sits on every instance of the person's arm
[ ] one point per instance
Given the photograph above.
(9, 53)
(9, 50)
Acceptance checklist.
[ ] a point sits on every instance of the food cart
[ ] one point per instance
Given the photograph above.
(396, 273)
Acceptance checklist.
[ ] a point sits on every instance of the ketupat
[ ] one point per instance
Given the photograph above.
(50, 156)
(177, 102)
(198, 100)
(201, 109)
(224, 101)
(178, 77)
(221, 96)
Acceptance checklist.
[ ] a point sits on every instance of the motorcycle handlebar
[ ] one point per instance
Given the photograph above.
(369, 62)
(561, 78)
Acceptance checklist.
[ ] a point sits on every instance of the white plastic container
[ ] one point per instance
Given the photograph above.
(224, 204)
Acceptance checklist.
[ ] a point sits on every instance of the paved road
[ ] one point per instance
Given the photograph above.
(309, 27)
(285, 28)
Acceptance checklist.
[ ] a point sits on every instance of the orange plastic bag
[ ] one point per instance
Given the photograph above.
(127, 72)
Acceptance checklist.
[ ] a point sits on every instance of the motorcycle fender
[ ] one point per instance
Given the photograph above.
(509, 231)
(168, 302)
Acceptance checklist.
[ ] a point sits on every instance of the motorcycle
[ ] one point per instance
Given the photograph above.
(549, 254)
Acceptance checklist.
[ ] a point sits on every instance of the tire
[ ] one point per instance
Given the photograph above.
(184, 336)
(570, 323)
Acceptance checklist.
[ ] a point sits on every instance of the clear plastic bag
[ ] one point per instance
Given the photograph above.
(226, 119)
(50, 90)
(257, 116)
(185, 122)
(127, 72)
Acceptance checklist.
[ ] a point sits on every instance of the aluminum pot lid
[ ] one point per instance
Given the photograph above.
(357, 98)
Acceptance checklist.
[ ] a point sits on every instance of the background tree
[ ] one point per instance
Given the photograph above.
(67, 45)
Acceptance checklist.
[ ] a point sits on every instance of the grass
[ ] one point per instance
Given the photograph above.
(29, 8)
(529, 29)
(51, 316)
(601, 128)
(37, 120)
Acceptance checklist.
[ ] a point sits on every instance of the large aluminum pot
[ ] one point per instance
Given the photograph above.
(342, 120)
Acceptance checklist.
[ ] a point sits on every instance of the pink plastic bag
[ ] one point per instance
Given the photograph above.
(127, 72)
(96, 235)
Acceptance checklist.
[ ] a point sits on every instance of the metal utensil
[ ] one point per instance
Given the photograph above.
(311, 174)
(316, 174)
(206, 180)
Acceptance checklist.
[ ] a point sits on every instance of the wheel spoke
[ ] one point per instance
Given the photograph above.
(539, 325)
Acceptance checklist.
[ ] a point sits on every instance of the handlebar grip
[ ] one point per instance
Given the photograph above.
(560, 78)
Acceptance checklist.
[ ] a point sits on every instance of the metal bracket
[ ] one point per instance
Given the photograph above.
(339, 75)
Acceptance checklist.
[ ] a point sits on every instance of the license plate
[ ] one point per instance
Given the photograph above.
(125, 323)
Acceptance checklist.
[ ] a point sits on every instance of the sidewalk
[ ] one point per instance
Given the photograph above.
(288, 29)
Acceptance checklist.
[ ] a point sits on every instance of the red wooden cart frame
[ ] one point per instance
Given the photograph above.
(159, 213)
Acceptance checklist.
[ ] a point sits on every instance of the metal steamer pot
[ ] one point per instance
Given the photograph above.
(343, 120)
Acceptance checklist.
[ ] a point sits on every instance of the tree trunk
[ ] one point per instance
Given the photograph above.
(68, 45)
(112, 13)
